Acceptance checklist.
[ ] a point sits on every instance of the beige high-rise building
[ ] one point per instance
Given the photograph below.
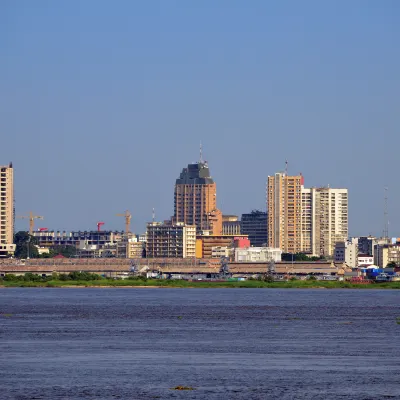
(304, 220)
(6, 210)
(324, 220)
(284, 212)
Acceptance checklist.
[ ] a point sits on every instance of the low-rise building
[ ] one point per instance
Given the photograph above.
(386, 254)
(205, 243)
(221, 251)
(365, 260)
(258, 254)
(347, 253)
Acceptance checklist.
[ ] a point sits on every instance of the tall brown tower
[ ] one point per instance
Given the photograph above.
(195, 200)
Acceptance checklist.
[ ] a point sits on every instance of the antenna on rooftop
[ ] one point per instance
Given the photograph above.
(201, 153)
(385, 215)
(286, 167)
(154, 215)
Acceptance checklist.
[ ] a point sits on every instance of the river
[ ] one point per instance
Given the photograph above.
(115, 343)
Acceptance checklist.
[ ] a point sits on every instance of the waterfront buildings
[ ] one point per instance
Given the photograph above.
(77, 238)
(347, 252)
(258, 254)
(324, 219)
(7, 246)
(255, 225)
(367, 244)
(170, 240)
(206, 243)
(305, 220)
(284, 212)
(386, 254)
(195, 200)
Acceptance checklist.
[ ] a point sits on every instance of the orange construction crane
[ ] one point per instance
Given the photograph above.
(128, 217)
(31, 218)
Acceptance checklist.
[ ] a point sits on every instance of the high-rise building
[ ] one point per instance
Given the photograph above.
(324, 218)
(168, 240)
(284, 212)
(195, 201)
(7, 246)
(305, 220)
(255, 225)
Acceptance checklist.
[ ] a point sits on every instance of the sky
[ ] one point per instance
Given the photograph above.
(102, 103)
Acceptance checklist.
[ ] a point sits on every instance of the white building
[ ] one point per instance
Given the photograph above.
(347, 252)
(324, 219)
(365, 260)
(220, 251)
(258, 254)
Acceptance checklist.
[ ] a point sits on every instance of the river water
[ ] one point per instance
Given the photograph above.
(116, 343)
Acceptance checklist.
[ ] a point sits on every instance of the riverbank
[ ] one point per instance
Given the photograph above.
(158, 283)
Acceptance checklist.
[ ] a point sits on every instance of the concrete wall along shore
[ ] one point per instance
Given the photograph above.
(121, 267)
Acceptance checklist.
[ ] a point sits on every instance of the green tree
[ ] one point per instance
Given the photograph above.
(66, 251)
(392, 264)
(25, 245)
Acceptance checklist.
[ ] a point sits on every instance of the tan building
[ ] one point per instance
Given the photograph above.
(7, 246)
(324, 220)
(304, 220)
(169, 240)
(206, 243)
(230, 225)
(195, 201)
(284, 212)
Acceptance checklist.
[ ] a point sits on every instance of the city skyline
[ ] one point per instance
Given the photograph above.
(101, 102)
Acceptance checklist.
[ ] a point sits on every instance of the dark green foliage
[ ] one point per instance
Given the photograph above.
(300, 257)
(391, 265)
(23, 241)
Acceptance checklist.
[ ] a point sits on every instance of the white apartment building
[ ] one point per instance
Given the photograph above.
(7, 246)
(347, 252)
(258, 254)
(324, 219)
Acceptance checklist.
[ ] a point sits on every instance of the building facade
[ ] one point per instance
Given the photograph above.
(195, 199)
(205, 244)
(170, 240)
(258, 254)
(386, 254)
(284, 212)
(7, 247)
(255, 226)
(324, 218)
(230, 225)
(347, 252)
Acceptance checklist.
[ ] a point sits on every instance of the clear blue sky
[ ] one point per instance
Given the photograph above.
(102, 103)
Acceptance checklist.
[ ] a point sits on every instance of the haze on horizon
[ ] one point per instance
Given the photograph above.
(103, 103)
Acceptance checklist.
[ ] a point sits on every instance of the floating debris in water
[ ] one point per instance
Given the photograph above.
(182, 388)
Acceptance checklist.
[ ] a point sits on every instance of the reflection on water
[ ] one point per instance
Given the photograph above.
(225, 343)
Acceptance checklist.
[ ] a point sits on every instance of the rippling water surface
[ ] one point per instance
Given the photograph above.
(225, 343)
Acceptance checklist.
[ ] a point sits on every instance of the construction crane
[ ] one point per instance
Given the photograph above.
(31, 218)
(99, 225)
(128, 217)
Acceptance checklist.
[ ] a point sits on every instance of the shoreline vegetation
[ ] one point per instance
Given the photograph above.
(82, 280)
